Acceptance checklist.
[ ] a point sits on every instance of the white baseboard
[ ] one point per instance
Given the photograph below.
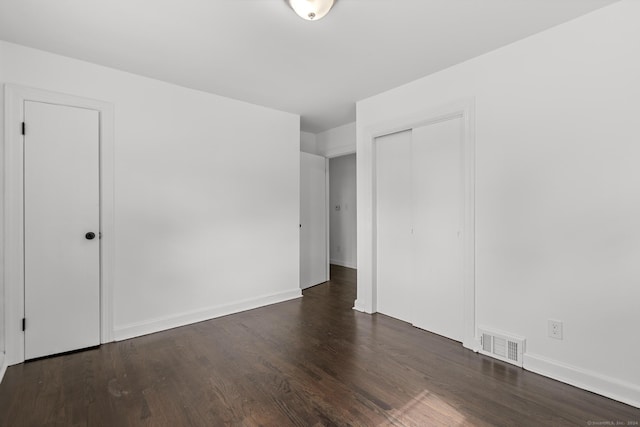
(473, 344)
(359, 307)
(342, 263)
(3, 366)
(600, 384)
(173, 321)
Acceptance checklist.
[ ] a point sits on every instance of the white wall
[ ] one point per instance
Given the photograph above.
(557, 192)
(342, 223)
(337, 141)
(308, 143)
(2, 309)
(206, 193)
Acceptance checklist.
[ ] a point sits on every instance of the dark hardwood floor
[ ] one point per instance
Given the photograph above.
(308, 362)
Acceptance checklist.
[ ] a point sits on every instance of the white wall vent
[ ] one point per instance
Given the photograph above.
(506, 347)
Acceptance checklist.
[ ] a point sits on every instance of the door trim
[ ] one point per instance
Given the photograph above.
(13, 213)
(327, 221)
(367, 287)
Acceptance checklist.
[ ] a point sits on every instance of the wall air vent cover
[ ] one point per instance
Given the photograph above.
(506, 347)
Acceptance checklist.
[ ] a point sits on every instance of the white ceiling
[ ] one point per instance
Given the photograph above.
(261, 52)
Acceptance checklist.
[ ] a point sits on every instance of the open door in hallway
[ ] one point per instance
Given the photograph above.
(314, 266)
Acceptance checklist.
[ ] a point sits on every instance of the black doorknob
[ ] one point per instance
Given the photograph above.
(90, 235)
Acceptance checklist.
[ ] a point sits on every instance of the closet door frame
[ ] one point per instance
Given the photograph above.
(465, 110)
(12, 216)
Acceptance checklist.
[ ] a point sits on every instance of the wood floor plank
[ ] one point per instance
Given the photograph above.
(308, 362)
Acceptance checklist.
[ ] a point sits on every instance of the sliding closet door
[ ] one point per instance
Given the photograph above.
(437, 204)
(393, 220)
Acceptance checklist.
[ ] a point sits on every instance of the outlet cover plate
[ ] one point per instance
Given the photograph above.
(555, 329)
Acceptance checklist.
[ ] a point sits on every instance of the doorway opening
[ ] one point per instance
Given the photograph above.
(342, 212)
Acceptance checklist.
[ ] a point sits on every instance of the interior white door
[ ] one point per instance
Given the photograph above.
(393, 225)
(313, 220)
(61, 205)
(436, 165)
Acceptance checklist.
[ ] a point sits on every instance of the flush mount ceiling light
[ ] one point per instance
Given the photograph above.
(311, 10)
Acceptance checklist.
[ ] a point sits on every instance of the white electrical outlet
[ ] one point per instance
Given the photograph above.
(555, 329)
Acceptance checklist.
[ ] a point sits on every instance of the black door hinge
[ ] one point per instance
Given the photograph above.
(24, 323)
(23, 128)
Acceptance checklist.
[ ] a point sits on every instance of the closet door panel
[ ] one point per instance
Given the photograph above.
(437, 205)
(393, 225)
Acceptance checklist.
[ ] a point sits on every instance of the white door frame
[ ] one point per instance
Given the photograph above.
(13, 212)
(465, 110)
(327, 221)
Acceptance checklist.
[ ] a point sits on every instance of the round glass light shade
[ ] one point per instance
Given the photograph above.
(311, 10)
